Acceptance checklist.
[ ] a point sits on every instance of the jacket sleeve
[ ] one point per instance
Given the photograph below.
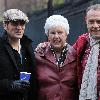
(80, 47)
(80, 43)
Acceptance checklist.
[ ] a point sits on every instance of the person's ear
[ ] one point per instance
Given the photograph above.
(5, 26)
(85, 19)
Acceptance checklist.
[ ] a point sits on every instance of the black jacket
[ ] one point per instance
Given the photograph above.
(9, 69)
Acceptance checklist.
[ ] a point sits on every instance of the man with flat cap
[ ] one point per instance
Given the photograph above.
(16, 55)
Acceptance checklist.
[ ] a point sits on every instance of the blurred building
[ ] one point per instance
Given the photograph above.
(27, 6)
(2, 8)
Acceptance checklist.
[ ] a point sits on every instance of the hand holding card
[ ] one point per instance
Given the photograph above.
(25, 76)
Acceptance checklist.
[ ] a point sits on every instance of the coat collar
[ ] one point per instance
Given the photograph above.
(10, 52)
(24, 41)
(71, 55)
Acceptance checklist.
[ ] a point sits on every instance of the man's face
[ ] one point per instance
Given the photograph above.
(57, 37)
(93, 22)
(15, 29)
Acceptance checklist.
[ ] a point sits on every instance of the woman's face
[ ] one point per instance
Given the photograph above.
(57, 37)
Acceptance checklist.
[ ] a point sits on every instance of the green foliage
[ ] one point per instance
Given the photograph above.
(42, 4)
(57, 2)
(39, 5)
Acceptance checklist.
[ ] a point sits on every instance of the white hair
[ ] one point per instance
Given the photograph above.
(56, 20)
(15, 14)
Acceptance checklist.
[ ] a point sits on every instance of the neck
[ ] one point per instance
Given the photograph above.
(15, 43)
(57, 52)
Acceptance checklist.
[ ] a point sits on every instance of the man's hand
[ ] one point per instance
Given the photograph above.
(41, 48)
(19, 85)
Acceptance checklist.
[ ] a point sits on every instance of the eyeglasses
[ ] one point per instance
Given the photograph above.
(17, 22)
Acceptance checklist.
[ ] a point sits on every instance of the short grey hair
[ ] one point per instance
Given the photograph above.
(93, 7)
(56, 20)
(14, 14)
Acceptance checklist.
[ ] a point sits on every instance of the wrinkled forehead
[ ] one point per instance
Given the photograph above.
(58, 27)
(93, 14)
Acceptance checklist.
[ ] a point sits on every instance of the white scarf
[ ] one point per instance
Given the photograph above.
(89, 81)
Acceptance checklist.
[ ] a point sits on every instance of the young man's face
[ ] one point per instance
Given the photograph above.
(15, 29)
(93, 22)
(57, 37)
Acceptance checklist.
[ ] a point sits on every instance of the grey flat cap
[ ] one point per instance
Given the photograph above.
(15, 14)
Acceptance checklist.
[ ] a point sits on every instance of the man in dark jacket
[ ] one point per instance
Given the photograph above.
(16, 55)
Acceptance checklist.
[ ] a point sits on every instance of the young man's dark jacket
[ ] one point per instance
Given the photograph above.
(10, 69)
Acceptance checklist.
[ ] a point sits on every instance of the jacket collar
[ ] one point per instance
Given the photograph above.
(71, 55)
(25, 41)
(10, 52)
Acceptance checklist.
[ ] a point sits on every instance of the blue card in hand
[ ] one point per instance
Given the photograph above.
(24, 75)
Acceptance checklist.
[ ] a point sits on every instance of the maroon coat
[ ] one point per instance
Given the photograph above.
(57, 83)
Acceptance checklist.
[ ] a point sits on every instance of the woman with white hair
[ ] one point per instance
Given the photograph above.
(56, 70)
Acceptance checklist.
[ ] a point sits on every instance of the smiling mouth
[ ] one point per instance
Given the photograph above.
(95, 30)
(18, 32)
(56, 42)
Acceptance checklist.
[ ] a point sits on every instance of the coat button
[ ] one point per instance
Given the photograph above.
(56, 95)
(61, 69)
